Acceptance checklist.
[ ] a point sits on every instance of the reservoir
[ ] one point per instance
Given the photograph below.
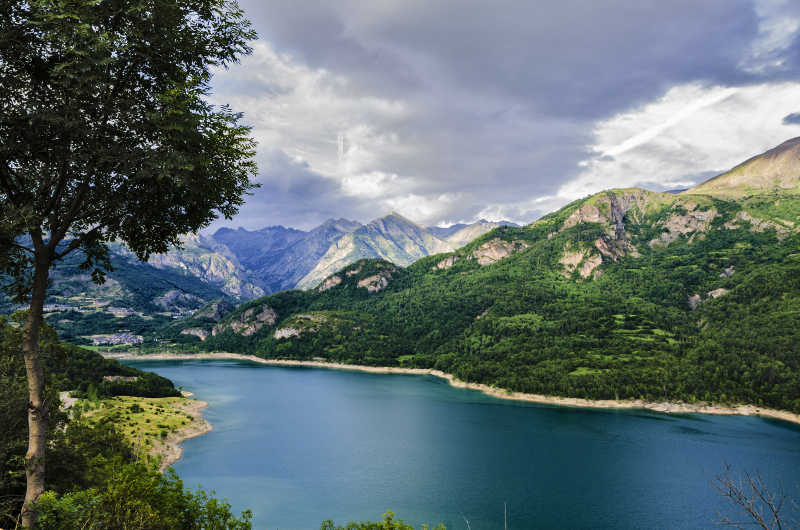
(301, 445)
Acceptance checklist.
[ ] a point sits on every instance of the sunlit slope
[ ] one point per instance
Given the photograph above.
(777, 170)
(624, 294)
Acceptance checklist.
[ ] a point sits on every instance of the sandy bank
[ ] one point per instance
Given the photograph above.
(170, 449)
(666, 407)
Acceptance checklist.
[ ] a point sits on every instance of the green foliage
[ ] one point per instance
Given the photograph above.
(78, 455)
(387, 523)
(106, 132)
(92, 473)
(628, 333)
(77, 369)
(136, 497)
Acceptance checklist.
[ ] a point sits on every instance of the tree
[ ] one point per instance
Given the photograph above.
(106, 134)
(750, 494)
(387, 523)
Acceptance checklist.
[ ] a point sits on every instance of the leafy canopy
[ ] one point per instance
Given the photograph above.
(105, 132)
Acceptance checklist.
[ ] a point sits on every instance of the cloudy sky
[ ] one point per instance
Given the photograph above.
(455, 110)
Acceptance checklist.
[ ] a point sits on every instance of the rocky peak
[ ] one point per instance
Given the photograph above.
(609, 209)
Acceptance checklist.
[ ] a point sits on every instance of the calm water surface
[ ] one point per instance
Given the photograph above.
(300, 445)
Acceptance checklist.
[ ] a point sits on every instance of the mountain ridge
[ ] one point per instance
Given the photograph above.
(775, 169)
(625, 294)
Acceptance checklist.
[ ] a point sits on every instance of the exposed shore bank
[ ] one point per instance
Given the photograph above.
(665, 407)
(170, 449)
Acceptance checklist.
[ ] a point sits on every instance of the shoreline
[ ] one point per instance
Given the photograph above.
(170, 449)
(663, 407)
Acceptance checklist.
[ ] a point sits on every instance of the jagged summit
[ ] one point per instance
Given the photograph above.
(392, 237)
(775, 170)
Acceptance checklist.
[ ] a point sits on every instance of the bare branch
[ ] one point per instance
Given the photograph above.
(754, 497)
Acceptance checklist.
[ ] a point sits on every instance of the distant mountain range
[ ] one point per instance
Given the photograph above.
(277, 258)
(237, 265)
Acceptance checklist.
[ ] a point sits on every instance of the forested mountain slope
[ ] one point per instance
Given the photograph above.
(624, 294)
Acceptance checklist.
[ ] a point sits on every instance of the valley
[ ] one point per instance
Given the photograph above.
(627, 294)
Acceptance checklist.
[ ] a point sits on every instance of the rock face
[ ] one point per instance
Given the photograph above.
(285, 333)
(610, 209)
(758, 225)
(333, 281)
(716, 293)
(249, 322)
(696, 299)
(375, 283)
(204, 258)
(393, 238)
(306, 323)
(215, 310)
(583, 260)
(691, 220)
(197, 332)
(446, 263)
(496, 249)
(174, 299)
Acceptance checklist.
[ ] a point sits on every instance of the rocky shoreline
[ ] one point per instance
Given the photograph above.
(170, 449)
(665, 407)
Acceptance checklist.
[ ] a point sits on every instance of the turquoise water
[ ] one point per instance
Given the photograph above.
(299, 445)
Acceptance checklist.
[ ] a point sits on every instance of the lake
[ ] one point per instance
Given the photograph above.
(300, 445)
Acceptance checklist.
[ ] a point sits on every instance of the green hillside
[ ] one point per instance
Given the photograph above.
(624, 294)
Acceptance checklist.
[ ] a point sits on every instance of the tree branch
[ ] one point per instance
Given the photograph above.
(77, 242)
(21, 247)
(77, 203)
(5, 178)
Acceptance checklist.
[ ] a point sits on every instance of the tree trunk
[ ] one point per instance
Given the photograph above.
(37, 408)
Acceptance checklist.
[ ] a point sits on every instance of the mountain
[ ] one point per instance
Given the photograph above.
(627, 294)
(443, 232)
(277, 257)
(253, 248)
(205, 259)
(136, 297)
(777, 169)
(392, 237)
(235, 265)
(460, 234)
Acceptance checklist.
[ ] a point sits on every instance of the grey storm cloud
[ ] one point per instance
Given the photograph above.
(500, 99)
(302, 197)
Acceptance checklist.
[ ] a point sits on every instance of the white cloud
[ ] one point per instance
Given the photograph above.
(310, 114)
(777, 29)
(421, 209)
(364, 107)
(686, 135)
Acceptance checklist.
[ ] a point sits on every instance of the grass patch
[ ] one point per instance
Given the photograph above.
(143, 421)
(583, 370)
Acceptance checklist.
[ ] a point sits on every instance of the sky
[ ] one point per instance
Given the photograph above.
(450, 111)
